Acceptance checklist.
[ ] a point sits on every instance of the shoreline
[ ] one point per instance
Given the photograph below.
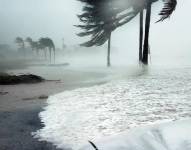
(19, 108)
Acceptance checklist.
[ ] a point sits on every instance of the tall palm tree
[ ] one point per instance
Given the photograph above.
(96, 23)
(169, 7)
(141, 36)
(48, 43)
(122, 12)
(138, 7)
(147, 29)
(101, 18)
(109, 51)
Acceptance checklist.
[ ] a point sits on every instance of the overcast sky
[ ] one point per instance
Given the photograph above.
(55, 19)
(38, 18)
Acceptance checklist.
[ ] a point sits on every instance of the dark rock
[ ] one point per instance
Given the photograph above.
(6, 79)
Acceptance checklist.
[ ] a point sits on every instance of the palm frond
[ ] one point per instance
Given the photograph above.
(94, 146)
(167, 10)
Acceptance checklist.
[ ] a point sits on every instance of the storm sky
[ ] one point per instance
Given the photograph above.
(55, 19)
(38, 18)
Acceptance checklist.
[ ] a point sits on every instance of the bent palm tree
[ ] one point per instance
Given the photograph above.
(122, 12)
(35, 45)
(102, 17)
(21, 44)
(48, 43)
(97, 24)
(31, 43)
(169, 7)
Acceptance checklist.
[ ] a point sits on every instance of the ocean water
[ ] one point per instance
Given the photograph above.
(128, 100)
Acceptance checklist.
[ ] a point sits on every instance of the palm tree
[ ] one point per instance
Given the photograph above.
(48, 43)
(39, 47)
(147, 29)
(140, 5)
(30, 42)
(63, 44)
(101, 18)
(122, 11)
(35, 45)
(21, 44)
(169, 7)
(109, 51)
(141, 36)
(96, 23)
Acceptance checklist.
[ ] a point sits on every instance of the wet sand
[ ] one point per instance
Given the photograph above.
(19, 109)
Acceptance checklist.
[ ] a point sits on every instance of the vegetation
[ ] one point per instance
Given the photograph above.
(169, 7)
(49, 44)
(93, 145)
(21, 44)
(6, 79)
(97, 24)
(35, 45)
(101, 17)
(43, 44)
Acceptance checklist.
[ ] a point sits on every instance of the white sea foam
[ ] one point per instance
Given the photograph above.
(73, 117)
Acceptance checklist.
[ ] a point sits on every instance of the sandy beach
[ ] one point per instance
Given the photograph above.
(21, 104)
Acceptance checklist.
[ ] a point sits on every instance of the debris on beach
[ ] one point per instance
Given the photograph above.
(6, 79)
(41, 97)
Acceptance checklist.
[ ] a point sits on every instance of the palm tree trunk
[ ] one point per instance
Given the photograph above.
(109, 51)
(45, 54)
(50, 53)
(54, 55)
(37, 52)
(146, 40)
(141, 37)
(24, 50)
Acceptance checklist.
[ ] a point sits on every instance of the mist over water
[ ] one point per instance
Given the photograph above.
(169, 40)
(128, 100)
